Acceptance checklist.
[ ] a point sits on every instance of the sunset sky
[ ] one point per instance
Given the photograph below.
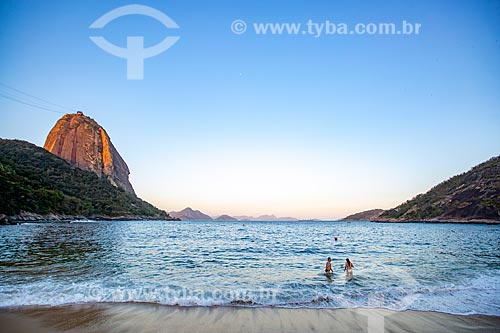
(290, 125)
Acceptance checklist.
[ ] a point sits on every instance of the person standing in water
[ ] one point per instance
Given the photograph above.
(348, 266)
(328, 268)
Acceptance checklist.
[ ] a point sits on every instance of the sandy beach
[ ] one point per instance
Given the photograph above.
(135, 317)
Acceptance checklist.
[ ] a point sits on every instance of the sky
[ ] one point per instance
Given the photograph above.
(252, 124)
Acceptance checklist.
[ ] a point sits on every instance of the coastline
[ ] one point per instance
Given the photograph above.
(142, 317)
(33, 217)
(451, 221)
(37, 218)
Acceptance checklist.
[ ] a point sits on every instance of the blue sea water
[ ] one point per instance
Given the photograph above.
(451, 268)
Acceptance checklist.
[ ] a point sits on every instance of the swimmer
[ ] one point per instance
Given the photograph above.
(348, 266)
(328, 268)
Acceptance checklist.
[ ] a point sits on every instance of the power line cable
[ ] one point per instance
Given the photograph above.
(30, 104)
(23, 100)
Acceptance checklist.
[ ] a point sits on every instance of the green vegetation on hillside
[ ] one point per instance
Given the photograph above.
(367, 215)
(473, 195)
(36, 181)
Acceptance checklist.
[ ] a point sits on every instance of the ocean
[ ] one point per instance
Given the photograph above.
(452, 268)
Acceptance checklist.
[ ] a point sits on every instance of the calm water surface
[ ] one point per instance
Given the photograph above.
(443, 267)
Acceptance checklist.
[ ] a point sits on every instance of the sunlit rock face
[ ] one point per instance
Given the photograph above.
(81, 141)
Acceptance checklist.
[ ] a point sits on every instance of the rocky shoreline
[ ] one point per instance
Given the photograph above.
(464, 221)
(33, 217)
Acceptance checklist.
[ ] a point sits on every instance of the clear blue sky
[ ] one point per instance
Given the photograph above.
(248, 124)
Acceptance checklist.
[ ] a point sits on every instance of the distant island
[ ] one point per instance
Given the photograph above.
(190, 214)
(225, 218)
(266, 218)
(472, 197)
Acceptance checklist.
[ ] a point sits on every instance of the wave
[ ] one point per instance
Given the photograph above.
(454, 299)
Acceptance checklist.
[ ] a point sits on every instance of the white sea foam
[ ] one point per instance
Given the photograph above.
(456, 299)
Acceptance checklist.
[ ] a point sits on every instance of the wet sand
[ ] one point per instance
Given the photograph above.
(135, 317)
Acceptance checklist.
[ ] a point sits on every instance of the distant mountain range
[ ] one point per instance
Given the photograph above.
(473, 196)
(265, 218)
(190, 214)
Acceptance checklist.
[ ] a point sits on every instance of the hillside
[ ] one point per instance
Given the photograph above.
(35, 181)
(473, 196)
(367, 215)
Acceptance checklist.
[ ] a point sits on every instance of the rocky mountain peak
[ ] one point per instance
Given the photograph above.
(82, 142)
